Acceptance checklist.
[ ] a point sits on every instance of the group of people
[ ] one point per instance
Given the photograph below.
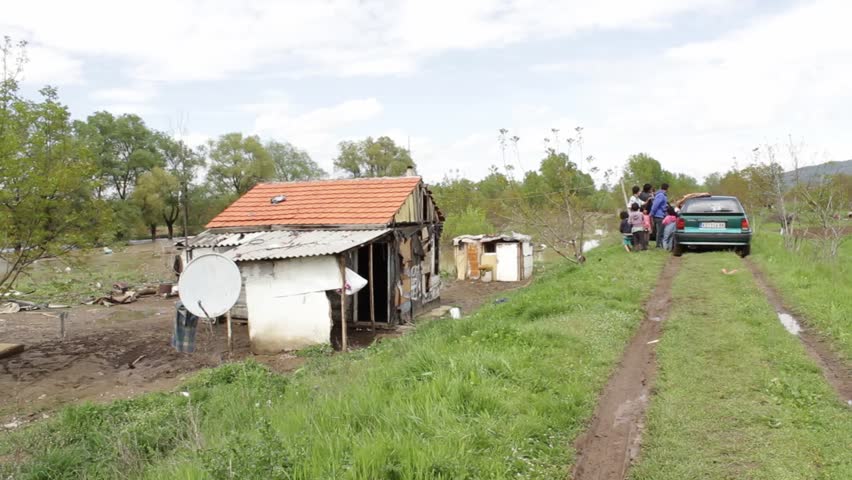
(648, 211)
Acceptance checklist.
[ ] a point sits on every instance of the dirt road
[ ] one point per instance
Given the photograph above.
(612, 440)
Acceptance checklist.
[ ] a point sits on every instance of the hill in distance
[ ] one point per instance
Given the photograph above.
(815, 172)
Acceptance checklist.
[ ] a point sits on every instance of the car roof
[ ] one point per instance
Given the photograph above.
(720, 197)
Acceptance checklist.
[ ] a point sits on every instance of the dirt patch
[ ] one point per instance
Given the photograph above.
(93, 362)
(611, 443)
(836, 371)
(469, 295)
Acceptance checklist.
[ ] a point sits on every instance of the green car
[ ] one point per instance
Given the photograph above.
(712, 222)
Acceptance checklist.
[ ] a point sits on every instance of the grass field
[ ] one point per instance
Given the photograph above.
(737, 396)
(815, 288)
(75, 276)
(500, 394)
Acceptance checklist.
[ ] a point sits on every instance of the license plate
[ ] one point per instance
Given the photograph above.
(712, 225)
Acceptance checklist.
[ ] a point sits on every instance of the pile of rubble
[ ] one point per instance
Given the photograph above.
(121, 293)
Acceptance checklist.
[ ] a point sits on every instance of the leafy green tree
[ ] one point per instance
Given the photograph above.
(470, 221)
(183, 164)
(293, 164)
(124, 148)
(558, 172)
(238, 163)
(47, 201)
(156, 195)
(370, 157)
(642, 168)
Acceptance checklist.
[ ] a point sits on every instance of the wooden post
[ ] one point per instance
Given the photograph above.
(343, 341)
(355, 297)
(624, 192)
(230, 334)
(62, 317)
(372, 295)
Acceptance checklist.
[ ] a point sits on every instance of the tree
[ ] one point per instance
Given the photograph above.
(642, 168)
(47, 201)
(183, 163)
(124, 148)
(157, 196)
(238, 163)
(293, 164)
(373, 158)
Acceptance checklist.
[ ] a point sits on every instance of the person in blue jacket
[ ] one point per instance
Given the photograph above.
(658, 212)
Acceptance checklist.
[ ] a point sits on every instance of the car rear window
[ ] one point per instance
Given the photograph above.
(712, 205)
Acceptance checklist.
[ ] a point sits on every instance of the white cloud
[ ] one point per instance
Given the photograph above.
(51, 66)
(318, 130)
(200, 40)
(136, 94)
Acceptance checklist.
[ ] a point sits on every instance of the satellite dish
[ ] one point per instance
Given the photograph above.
(210, 285)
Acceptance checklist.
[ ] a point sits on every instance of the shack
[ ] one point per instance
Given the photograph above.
(505, 258)
(298, 243)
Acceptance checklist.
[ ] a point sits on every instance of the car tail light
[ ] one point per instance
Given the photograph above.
(745, 224)
(681, 224)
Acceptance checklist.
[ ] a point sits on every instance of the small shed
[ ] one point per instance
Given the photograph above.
(297, 244)
(508, 258)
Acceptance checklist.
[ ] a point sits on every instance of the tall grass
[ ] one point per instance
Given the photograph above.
(737, 396)
(815, 287)
(500, 394)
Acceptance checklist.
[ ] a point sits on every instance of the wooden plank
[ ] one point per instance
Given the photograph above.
(372, 293)
(9, 349)
(342, 262)
(355, 297)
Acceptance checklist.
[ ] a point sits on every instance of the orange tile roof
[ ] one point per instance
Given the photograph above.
(363, 201)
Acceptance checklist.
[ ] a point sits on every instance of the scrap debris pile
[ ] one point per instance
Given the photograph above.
(121, 293)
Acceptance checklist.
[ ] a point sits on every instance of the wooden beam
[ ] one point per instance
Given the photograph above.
(343, 341)
(372, 293)
(355, 296)
(230, 331)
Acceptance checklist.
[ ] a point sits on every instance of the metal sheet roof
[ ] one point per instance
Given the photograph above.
(298, 243)
(513, 237)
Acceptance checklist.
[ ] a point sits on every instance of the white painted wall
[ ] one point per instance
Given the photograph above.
(287, 305)
(507, 262)
(527, 251)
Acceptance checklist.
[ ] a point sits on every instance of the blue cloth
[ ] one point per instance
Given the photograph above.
(186, 324)
(660, 206)
(668, 235)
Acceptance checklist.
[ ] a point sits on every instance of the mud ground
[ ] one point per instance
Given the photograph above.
(93, 361)
(611, 443)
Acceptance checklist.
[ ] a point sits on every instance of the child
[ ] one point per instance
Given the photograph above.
(669, 227)
(626, 232)
(646, 223)
(637, 226)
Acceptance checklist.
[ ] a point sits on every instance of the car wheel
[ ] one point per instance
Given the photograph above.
(677, 248)
(744, 251)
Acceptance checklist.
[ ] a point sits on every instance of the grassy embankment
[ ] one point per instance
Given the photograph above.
(500, 394)
(738, 396)
(815, 288)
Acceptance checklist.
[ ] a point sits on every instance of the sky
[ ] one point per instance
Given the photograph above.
(697, 84)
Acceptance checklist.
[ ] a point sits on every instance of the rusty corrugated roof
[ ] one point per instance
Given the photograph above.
(363, 201)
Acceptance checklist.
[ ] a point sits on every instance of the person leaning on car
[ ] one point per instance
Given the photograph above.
(658, 211)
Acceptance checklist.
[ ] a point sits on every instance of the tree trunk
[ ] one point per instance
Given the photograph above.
(153, 232)
(170, 227)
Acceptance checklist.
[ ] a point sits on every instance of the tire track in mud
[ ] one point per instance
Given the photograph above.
(836, 372)
(611, 442)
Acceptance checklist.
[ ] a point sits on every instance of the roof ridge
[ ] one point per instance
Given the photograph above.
(326, 180)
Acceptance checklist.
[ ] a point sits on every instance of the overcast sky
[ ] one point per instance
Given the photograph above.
(695, 83)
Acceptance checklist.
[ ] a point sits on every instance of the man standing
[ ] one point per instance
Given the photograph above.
(635, 198)
(658, 212)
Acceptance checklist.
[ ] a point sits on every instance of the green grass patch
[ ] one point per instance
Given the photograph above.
(500, 394)
(815, 288)
(737, 396)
